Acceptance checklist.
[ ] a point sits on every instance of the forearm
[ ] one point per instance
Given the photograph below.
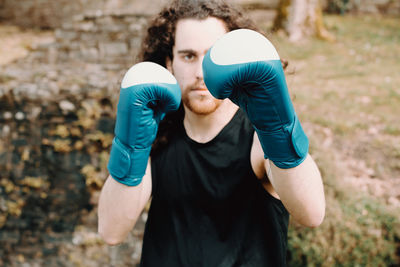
(148, 91)
(119, 208)
(300, 190)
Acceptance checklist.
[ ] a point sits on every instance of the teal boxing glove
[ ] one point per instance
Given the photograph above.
(148, 92)
(245, 67)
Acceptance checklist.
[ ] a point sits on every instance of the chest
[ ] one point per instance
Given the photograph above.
(204, 172)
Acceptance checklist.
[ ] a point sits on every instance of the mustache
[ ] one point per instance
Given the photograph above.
(197, 86)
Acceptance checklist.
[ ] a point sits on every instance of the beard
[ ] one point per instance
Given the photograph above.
(200, 104)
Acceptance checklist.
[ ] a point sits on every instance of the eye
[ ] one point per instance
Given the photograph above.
(189, 57)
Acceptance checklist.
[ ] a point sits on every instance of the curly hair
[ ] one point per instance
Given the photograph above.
(160, 38)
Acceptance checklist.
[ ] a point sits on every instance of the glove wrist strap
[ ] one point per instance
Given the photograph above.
(126, 165)
(287, 147)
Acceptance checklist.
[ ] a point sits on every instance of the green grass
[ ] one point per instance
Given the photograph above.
(349, 91)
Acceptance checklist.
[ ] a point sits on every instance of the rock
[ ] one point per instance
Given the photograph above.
(113, 49)
(7, 115)
(67, 106)
(19, 116)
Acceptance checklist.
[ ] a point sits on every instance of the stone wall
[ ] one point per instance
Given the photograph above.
(39, 13)
(52, 14)
(111, 39)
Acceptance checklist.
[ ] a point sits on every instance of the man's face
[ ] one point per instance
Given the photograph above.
(192, 40)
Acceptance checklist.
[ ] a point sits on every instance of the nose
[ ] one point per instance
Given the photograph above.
(199, 68)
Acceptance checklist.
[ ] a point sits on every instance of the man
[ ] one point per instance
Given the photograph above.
(220, 196)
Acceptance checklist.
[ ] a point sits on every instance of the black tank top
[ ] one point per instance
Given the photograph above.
(208, 207)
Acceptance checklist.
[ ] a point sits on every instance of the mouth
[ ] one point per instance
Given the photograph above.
(199, 89)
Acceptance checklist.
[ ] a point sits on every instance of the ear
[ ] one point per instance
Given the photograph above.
(168, 64)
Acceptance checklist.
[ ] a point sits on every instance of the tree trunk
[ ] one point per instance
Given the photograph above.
(300, 19)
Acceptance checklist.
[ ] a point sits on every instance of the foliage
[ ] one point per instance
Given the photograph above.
(363, 233)
(358, 229)
(340, 6)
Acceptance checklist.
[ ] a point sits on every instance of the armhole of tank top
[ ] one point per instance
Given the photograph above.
(266, 193)
(153, 177)
(260, 181)
(277, 202)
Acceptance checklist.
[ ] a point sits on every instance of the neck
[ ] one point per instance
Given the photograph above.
(203, 128)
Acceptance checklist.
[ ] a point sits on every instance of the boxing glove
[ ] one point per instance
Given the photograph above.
(148, 91)
(245, 67)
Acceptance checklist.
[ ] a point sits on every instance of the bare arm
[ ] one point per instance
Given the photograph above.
(120, 206)
(300, 188)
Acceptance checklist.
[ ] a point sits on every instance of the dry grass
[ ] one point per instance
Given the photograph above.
(348, 94)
